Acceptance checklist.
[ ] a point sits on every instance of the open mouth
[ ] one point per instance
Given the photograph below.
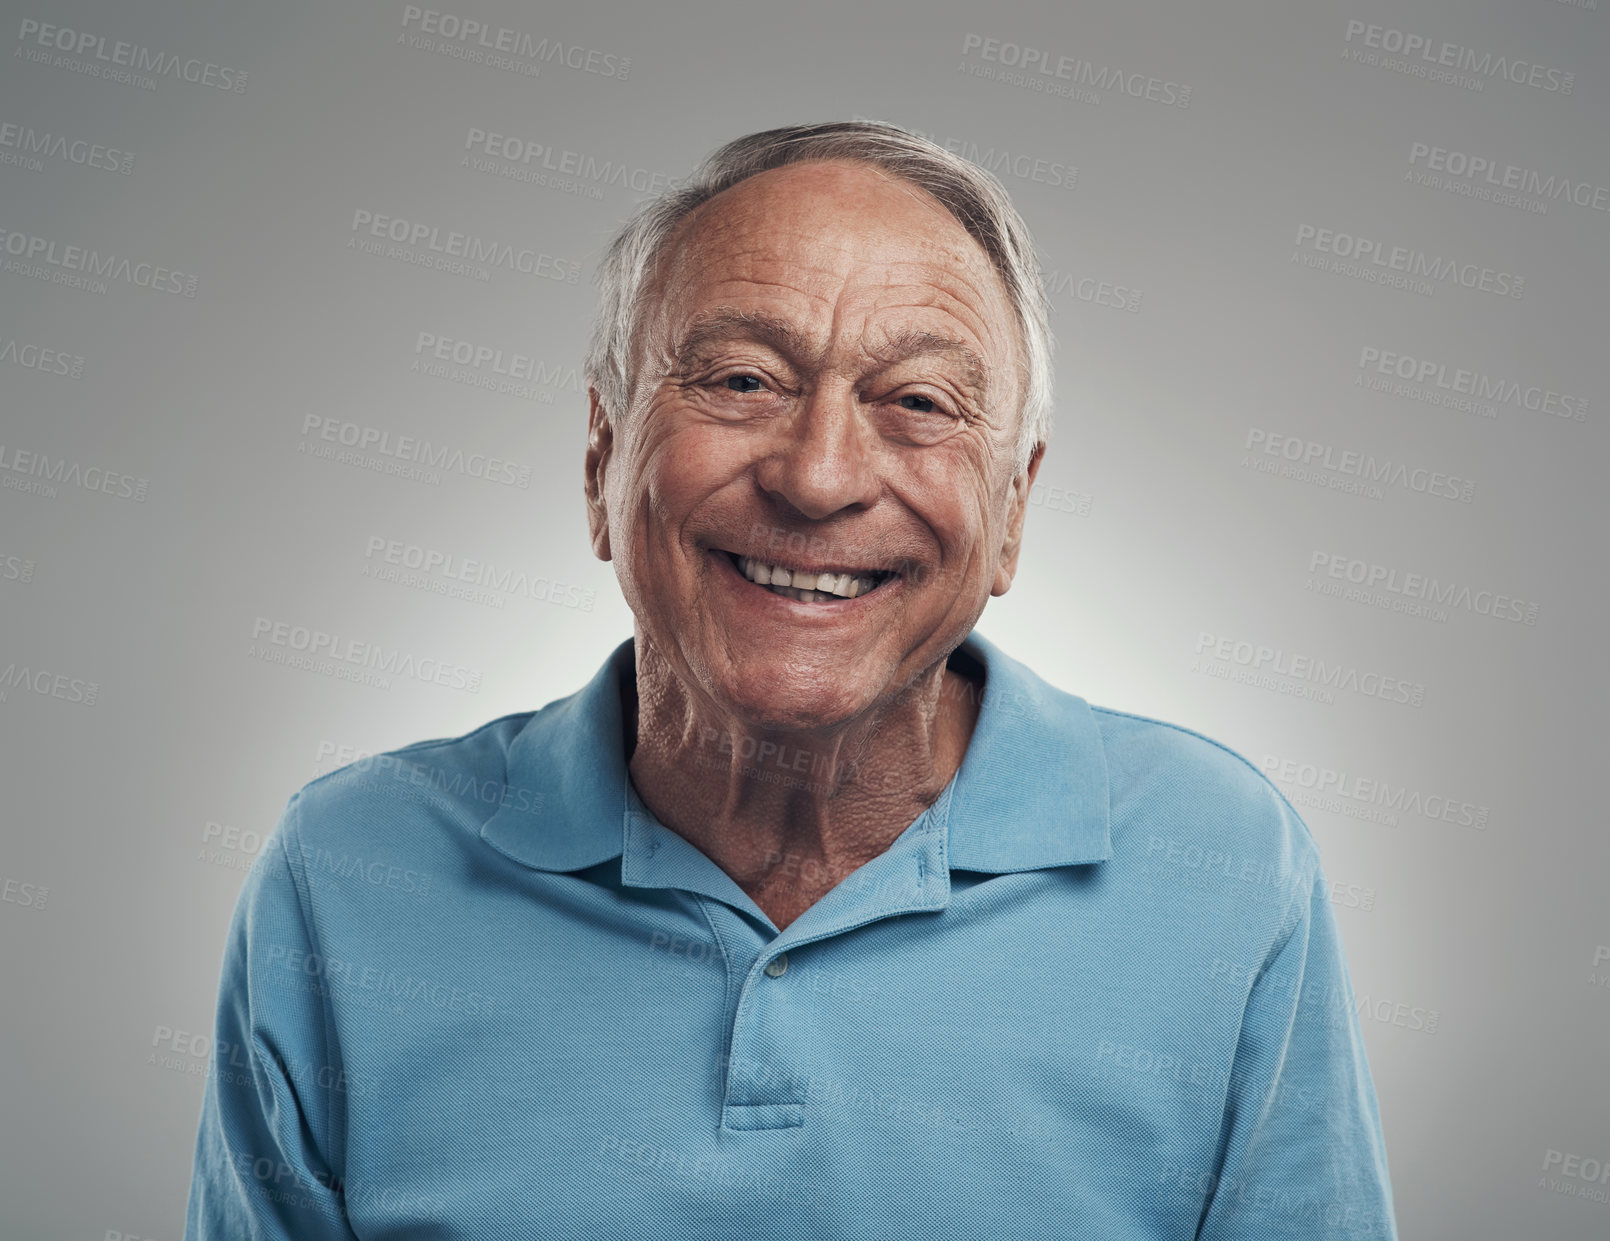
(808, 585)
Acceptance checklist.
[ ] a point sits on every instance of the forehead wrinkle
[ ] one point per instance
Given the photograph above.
(748, 245)
(960, 293)
(954, 280)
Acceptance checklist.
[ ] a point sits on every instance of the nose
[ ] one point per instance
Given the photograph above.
(823, 458)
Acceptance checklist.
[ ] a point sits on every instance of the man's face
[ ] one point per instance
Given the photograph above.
(826, 380)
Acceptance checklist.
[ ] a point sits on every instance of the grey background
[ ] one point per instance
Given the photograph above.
(1152, 537)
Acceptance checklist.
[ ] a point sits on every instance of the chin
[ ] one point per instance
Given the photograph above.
(781, 702)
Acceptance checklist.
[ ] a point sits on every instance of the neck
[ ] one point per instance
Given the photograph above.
(788, 814)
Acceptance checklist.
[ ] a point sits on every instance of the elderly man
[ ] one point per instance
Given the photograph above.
(813, 914)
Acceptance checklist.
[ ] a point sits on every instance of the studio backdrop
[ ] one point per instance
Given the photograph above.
(293, 302)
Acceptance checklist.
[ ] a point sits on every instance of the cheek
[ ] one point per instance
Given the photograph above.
(688, 464)
(672, 487)
(670, 476)
(951, 493)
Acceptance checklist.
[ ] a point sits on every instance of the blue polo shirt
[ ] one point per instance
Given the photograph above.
(473, 989)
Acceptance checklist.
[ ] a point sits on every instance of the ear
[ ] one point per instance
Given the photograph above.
(1013, 541)
(600, 449)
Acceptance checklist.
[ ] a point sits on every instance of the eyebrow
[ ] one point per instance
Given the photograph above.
(918, 344)
(728, 323)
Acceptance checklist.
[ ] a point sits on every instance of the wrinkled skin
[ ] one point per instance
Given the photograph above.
(827, 376)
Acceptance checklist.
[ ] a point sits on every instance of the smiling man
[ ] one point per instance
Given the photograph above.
(813, 913)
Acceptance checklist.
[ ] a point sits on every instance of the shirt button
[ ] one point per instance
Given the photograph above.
(777, 966)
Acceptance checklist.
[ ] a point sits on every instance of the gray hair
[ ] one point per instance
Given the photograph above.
(971, 194)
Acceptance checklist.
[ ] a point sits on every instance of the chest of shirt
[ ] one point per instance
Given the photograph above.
(570, 1058)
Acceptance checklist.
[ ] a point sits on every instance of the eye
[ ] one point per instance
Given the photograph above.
(919, 404)
(743, 383)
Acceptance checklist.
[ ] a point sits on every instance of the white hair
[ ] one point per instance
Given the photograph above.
(971, 194)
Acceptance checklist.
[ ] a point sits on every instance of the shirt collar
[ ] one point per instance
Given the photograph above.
(1031, 791)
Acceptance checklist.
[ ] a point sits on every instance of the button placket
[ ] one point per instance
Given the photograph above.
(765, 1089)
(762, 1069)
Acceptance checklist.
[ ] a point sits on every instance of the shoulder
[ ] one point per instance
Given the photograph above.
(1176, 791)
(393, 803)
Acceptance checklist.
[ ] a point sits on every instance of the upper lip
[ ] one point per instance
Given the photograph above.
(854, 569)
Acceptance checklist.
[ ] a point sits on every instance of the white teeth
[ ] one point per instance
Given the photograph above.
(803, 585)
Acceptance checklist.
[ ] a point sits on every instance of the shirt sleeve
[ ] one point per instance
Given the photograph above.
(1302, 1153)
(264, 1164)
